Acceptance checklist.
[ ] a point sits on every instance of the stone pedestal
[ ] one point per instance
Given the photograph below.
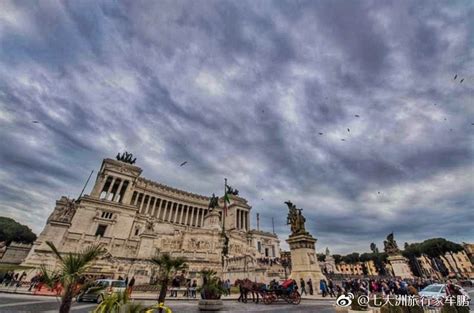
(400, 266)
(211, 221)
(147, 247)
(41, 253)
(304, 262)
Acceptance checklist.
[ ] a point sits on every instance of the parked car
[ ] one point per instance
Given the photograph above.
(100, 289)
(438, 291)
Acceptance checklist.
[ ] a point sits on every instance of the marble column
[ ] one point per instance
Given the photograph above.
(186, 216)
(117, 193)
(180, 215)
(141, 203)
(237, 224)
(110, 188)
(192, 216)
(136, 198)
(156, 207)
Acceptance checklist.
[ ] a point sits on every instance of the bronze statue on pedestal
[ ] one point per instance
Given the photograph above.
(295, 219)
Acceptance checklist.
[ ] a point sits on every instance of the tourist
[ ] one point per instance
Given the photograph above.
(174, 287)
(227, 286)
(303, 289)
(330, 288)
(310, 286)
(131, 283)
(193, 289)
(34, 281)
(323, 287)
(7, 278)
(187, 292)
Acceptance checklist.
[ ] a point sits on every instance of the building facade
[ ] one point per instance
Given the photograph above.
(136, 218)
(15, 253)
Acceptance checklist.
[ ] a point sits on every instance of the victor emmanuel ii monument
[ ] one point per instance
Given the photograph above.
(135, 218)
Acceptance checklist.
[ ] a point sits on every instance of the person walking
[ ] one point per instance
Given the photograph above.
(131, 283)
(310, 286)
(174, 287)
(323, 287)
(302, 285)
(193, 289)
(331, 288)
(187, 292)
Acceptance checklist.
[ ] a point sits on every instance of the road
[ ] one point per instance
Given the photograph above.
(15, 303)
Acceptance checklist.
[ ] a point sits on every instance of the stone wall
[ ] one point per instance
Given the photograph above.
(15, 253)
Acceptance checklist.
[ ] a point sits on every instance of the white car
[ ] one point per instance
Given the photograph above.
(438, 291)
(100, 289)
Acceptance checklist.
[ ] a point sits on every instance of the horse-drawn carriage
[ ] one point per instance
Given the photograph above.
(286, 291)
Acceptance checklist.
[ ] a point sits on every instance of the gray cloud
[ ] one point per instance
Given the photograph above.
(241, 90)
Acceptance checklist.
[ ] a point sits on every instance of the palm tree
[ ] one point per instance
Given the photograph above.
(168, 266)
(72, 267)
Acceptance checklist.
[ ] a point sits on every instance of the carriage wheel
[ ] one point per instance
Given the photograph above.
(267, 299)
(295, 297)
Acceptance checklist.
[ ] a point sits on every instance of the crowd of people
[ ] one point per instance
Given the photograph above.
(269, 261)
(384, 286)
(10, 279)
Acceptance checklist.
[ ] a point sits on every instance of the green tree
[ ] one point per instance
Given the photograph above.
(321, 257)
(10, 230)
(351, 258)
(337, 258)
(72, 266)
(168, 266)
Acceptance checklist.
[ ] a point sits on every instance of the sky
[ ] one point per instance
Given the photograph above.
(242, 90)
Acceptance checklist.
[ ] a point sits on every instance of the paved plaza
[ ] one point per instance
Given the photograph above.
(15, 303)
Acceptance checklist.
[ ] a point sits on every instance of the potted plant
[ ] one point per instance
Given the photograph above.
(211, 291)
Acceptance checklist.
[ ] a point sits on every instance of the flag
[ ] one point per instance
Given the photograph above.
(226, 200)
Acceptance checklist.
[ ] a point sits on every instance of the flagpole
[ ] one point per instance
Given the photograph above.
(224, 213)
(223, 223)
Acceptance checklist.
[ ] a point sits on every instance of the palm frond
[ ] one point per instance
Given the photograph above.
(49, 278)
(134, 307)
(55, 250)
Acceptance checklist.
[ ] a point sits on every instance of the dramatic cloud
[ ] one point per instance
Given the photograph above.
(242, 90)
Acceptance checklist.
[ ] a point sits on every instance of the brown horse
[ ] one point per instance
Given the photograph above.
(247, 286)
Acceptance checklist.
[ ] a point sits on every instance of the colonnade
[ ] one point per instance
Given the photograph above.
(169, 211)
(114, 189)
(242, 219)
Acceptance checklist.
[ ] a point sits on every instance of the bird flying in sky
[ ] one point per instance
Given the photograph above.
(184, 163)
